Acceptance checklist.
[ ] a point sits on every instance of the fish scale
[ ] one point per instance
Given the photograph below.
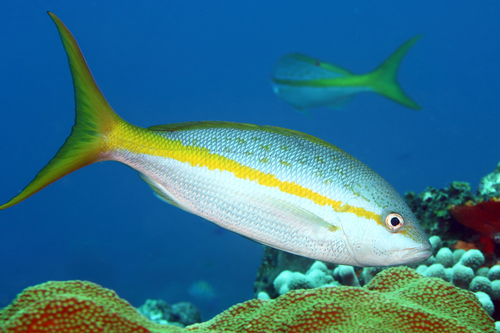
(301, 155)
(243, 210)
(279, 187)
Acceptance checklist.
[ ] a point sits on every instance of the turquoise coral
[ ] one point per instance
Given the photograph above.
(435, 270)
(486, 302)
(445, 257)
(473, 259)
(481, 283)
(346, 276)
(494, 273)
(318, 275)
(462, 276)
(457, 255)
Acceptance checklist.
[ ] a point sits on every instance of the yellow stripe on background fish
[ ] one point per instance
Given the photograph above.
(305, 82)
(279, 187)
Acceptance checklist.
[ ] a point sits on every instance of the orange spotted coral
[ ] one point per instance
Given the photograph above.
(396, 300)
(75, 307)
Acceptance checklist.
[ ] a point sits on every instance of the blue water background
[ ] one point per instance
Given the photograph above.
(174, 61)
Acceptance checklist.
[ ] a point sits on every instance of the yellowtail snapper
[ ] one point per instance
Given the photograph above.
(305, 82)
(279, 187)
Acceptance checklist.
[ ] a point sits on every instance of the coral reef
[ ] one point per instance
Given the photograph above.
(461, 276)
(73, 307)
(445, 257)
(396, 300)
(346, 276)
(273, 263)
(467, 270)
(159, 311)
(489, 186)
(431, 207)
(478, 215)
(464, 269)
(473, 259)
(317, 276)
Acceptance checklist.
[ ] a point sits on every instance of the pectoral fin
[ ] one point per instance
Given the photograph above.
(295, 222)
(300, 214)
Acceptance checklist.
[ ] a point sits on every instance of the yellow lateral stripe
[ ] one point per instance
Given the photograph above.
(202, 157)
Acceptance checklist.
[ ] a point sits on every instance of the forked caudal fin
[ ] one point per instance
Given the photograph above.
(383, 79)
(94, 120)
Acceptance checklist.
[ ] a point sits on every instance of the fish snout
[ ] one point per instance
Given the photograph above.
(410, 256)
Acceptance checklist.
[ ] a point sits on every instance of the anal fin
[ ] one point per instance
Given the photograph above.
(159, 191)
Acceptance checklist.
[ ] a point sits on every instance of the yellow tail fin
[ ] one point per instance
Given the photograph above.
(384, 81)
(94, 120)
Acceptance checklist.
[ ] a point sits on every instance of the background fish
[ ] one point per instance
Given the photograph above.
(202, 290)
(279, 187)
(305, 82)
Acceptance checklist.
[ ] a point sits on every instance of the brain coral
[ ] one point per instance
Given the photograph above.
(396, 300)
(75, 307)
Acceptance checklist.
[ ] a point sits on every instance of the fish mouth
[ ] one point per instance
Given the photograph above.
(409, 256)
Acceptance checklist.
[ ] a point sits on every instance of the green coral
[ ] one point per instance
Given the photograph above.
(396, 300)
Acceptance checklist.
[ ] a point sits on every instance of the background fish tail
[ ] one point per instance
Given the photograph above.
(94, 120)
(384, 81)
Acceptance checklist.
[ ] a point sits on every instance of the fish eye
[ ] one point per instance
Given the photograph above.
(394, 221)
